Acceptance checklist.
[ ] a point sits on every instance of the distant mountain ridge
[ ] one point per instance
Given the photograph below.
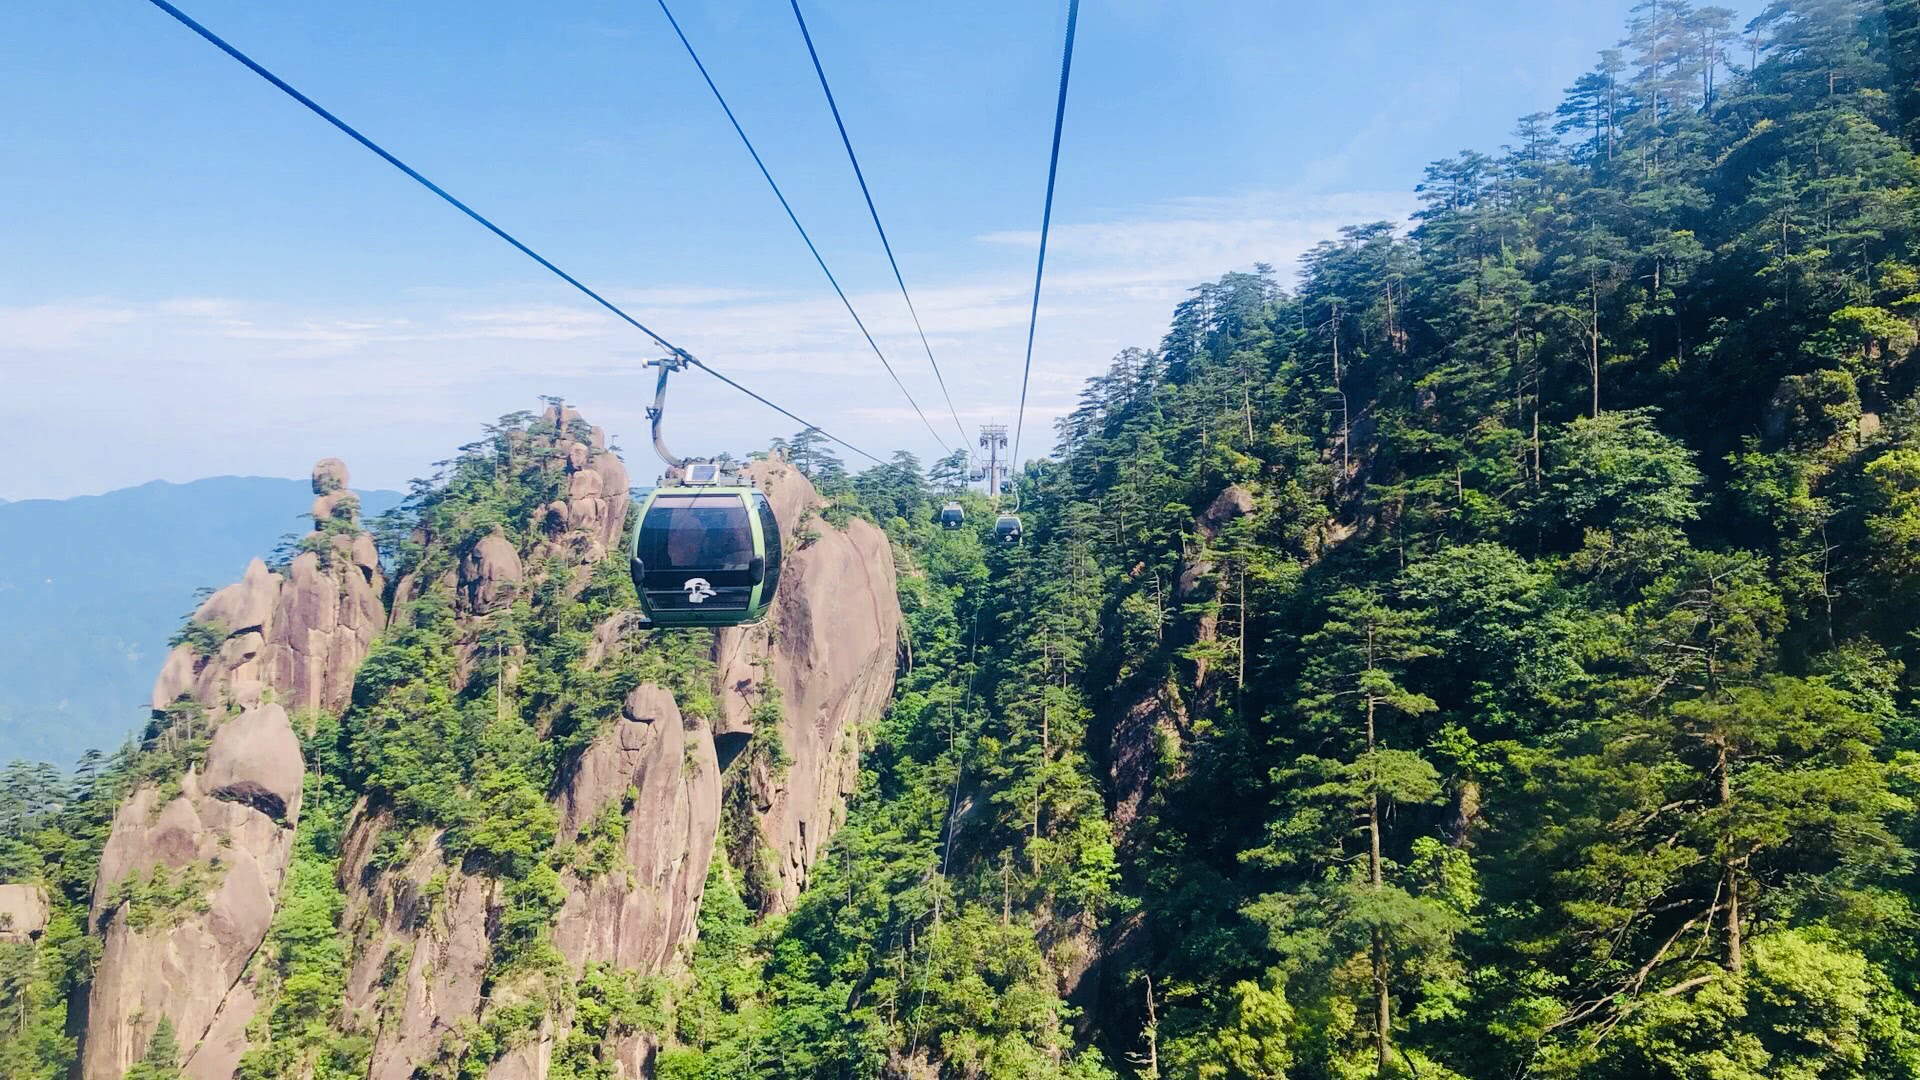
(91, 587)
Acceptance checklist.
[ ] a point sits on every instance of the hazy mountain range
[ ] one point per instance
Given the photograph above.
(91, 588)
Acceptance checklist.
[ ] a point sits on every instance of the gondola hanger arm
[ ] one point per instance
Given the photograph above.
(672, 362)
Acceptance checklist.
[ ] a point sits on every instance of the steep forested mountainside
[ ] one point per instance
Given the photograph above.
(1486, 658)
(1489, 657)
(91, 587)
(448, 814)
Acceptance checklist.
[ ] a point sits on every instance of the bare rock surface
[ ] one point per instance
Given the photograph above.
(422, 949)
(182, 964)
(217, 1057)
(326, 622)
(302, 634)
(268, 645)
(1134, 758)
(343, 506)
(23, 911)
(255, 760)
(329, 476)
(831, 647)
(1196, 573)
(490, 574)
(365, 556)
(637, 915)
(1233, 502)
(592, 517)
(244, 605)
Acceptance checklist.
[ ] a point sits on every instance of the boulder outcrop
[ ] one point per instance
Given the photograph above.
(255, 761)
(593, 515)
(490, 574)
(329, 475)
(302, 633)
(182, 959)
(23, 911)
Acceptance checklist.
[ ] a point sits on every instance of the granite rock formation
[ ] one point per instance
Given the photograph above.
(261, 650)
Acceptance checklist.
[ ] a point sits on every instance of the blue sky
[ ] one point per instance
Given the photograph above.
(201, 278)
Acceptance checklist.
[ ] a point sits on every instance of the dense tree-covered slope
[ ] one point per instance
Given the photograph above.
(91, 587)
(1488, 657)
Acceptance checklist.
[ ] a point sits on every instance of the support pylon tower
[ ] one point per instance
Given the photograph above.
(993, 440)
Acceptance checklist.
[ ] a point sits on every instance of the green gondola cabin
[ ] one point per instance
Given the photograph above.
(706, 552)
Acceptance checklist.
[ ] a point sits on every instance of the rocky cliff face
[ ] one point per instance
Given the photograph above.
(194, 864)
(184, 958)
(647, 786)
(301, 633)
(658, 766)
(194, 869)
(826, 656)
(1160, 710)
(827, 651)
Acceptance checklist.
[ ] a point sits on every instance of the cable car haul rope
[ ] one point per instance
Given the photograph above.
(1005, 529)
(318, 110)
(791, 216)
(861, 175)
(707, 548)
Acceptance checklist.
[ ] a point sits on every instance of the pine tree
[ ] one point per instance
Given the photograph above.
(162, 1059)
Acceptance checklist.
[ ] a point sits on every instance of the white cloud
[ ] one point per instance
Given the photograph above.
(1196, 238)
(546, 323)
(200, 385)
(59, 326)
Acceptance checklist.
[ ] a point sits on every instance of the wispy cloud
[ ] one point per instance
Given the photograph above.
(391, 386)
(546, 323)
(1184, 238)
(60, 326)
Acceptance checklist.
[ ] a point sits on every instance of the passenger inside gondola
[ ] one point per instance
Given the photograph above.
(727, 537)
